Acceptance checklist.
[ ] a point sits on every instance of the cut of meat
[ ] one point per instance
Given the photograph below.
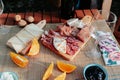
(51, 31)
(65, 30)
(73, 45)
(75, 31)
(65, 40)
(59, 41)
(84, 34)
(48, 42)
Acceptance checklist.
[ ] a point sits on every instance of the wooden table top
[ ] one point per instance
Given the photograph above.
(38, 64)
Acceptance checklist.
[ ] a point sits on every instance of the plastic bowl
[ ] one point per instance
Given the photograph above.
(95, 72)
(12, 73)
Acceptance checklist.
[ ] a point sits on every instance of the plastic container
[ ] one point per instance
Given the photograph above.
(14, 75)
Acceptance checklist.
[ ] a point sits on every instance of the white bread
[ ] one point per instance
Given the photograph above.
(87, 20)
(21, 40)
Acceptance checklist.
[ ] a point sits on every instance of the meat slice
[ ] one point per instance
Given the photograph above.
(53, 32)
(26, 49)
(84, 34)
(73, 45)
(75, 31)
(65, 30)
(48, 42)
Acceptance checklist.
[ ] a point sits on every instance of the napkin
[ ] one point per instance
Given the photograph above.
(109, 48)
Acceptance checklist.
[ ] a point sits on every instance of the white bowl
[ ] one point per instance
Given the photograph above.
(15, 77)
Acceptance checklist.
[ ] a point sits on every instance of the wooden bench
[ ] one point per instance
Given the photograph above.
(51, 17)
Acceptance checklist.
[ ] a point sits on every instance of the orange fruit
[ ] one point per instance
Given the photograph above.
(68, 68)
(35, 48)
(18, 59)
(48, 72)
(61, 77)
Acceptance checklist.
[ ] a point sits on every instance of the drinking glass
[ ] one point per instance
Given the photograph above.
(3, 29)
(92, 50)
(1, 7)
(109, 17)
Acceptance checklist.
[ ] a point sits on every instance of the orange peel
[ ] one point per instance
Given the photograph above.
(19, 60)
(35, 48)
(68, 68)
(61, 76)
(48, 72)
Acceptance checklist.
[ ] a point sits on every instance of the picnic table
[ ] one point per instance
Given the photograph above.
(38, 64)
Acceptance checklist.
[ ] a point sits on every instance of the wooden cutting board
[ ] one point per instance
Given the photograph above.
(66, 56)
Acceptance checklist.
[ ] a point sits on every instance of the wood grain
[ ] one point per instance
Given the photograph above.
(79, 13)
(47, 16)
(39, 63)
(55, 17)
(10, 19)
(37, 16)
(3, 18)
(88, 12)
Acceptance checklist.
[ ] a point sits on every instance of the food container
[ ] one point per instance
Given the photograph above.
(95, 72)
(7, 76)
